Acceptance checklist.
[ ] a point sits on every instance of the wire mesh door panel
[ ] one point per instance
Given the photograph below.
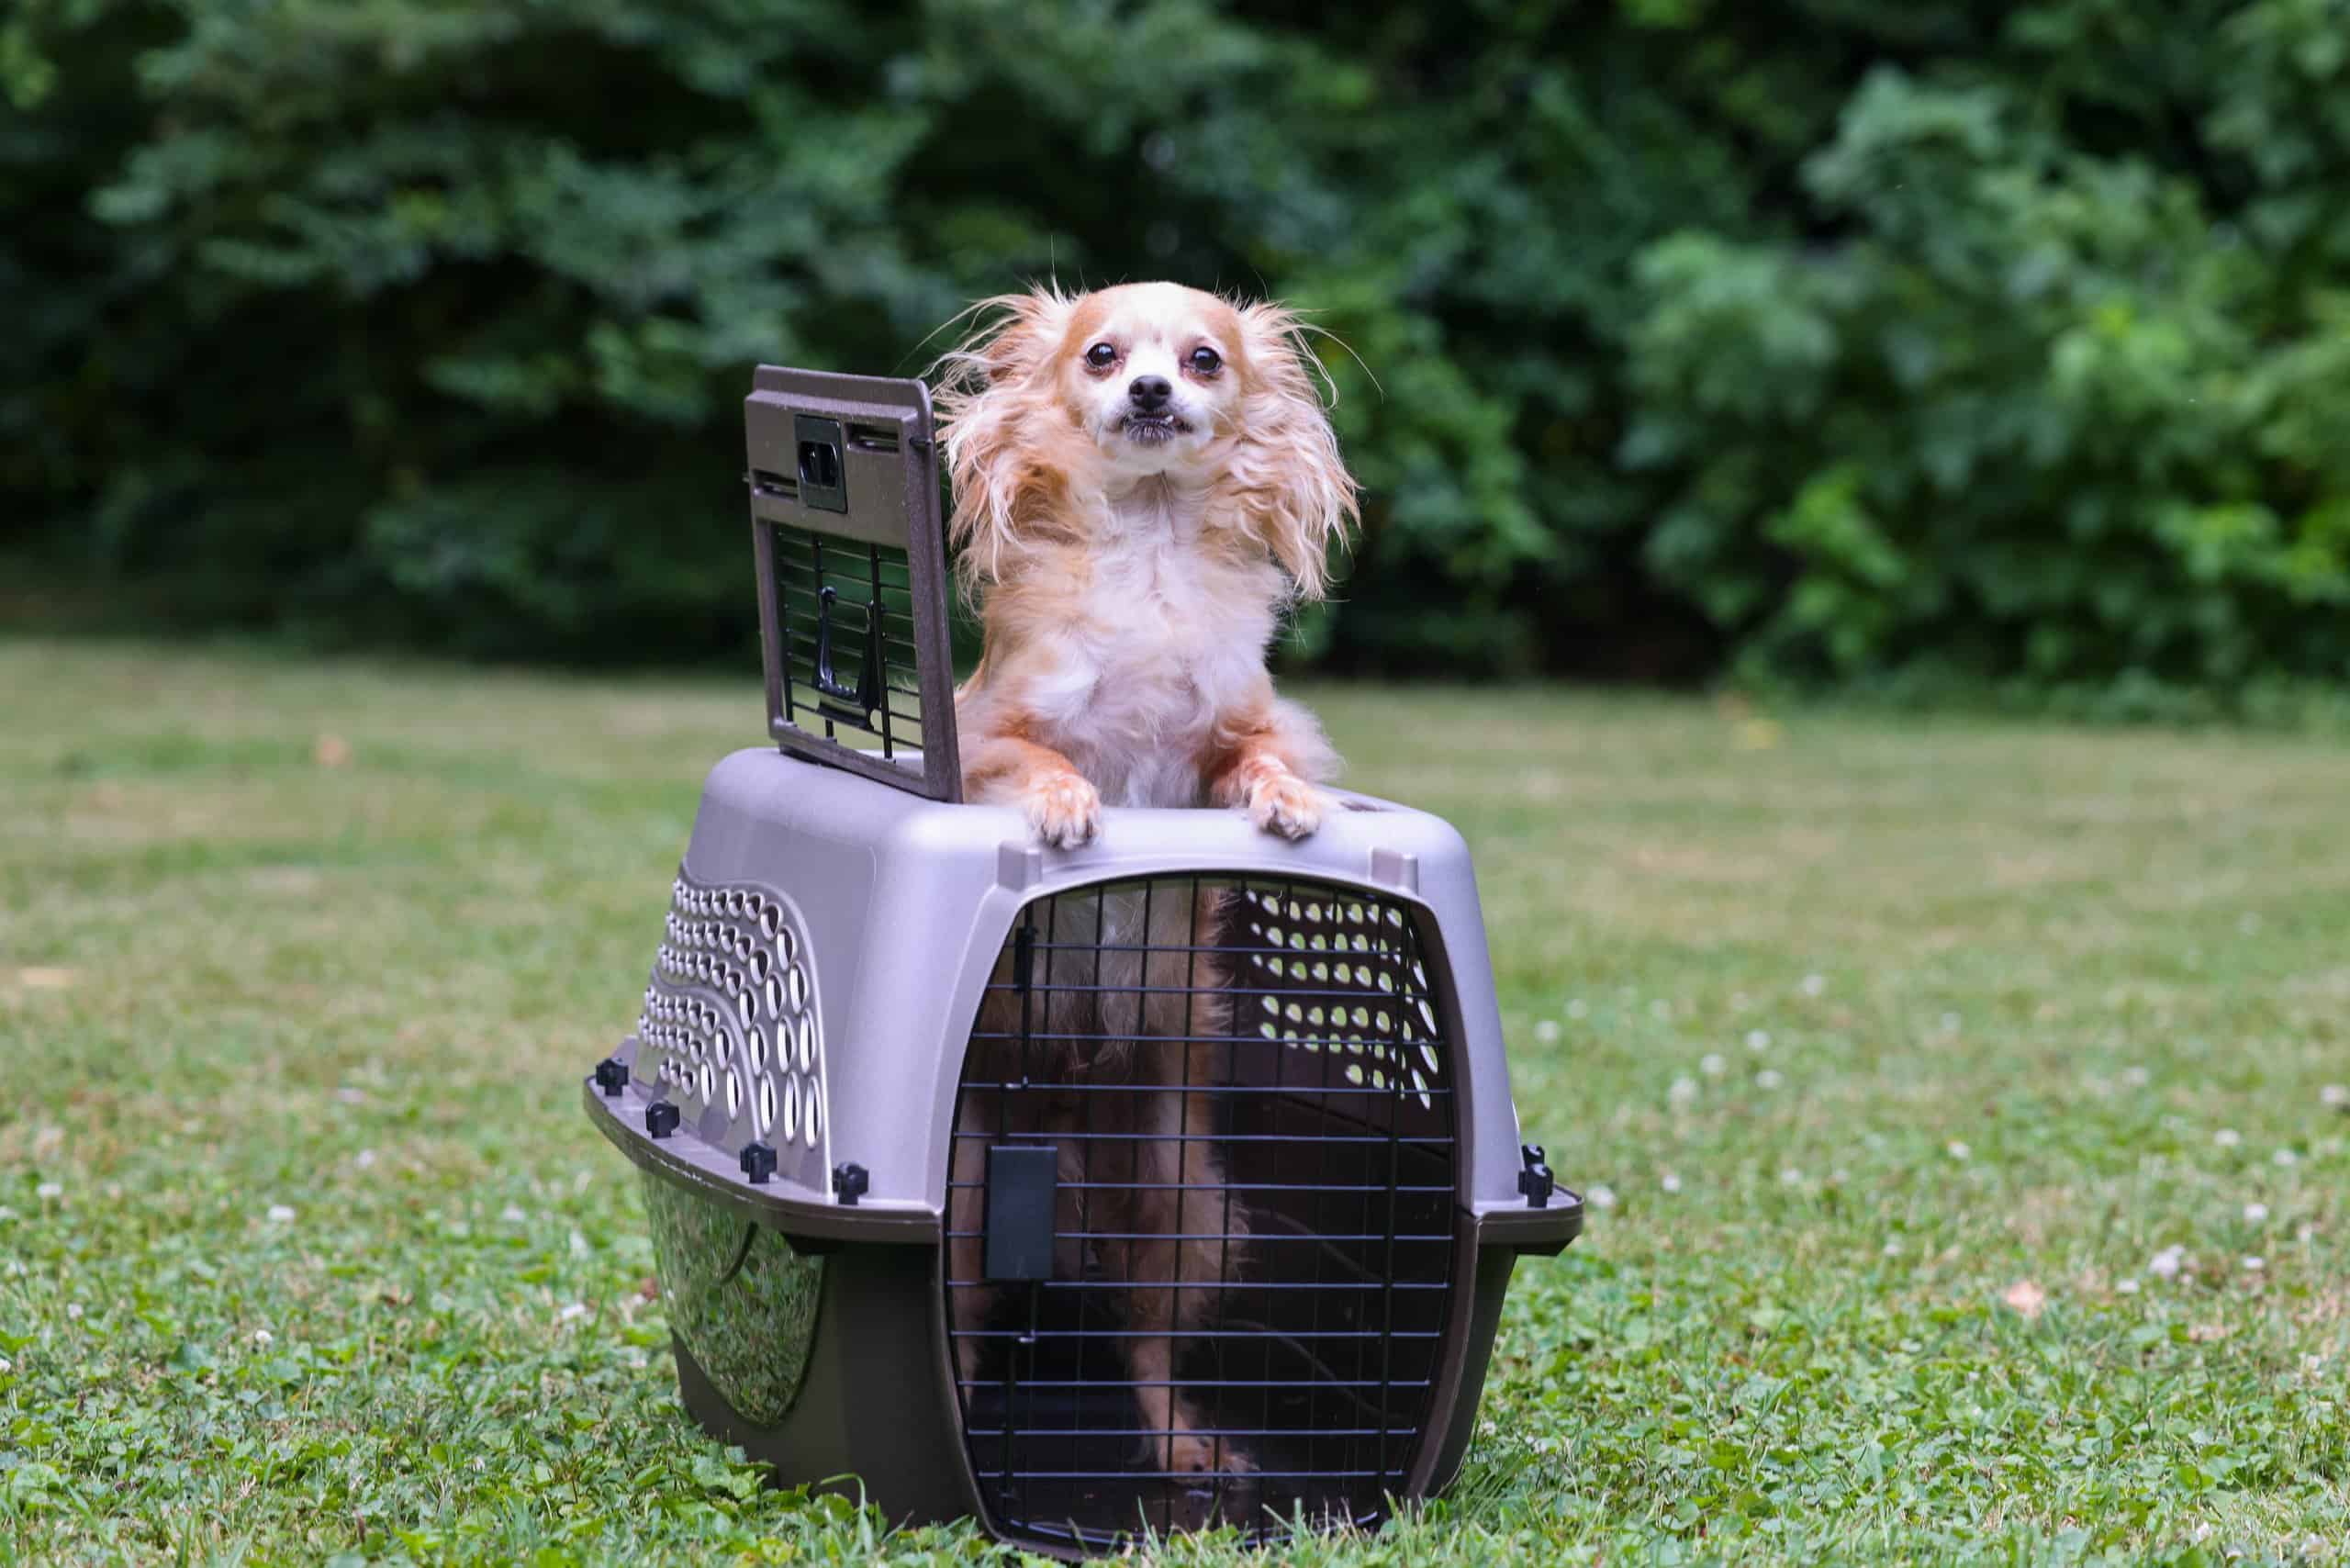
(1239, 1293)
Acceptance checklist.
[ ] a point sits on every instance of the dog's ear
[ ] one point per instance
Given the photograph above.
(1293, 489)
(992, 390)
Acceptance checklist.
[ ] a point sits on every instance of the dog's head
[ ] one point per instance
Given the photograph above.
(1061, 398)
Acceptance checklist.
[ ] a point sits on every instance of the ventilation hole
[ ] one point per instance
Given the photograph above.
(1271, 1005)
(770, 921)
(1362, 1018)
(1419, 973)
(705, 1080)
(807, 1118)
(791, 1108)
(1354, 913)
(1295, 912)
(764, 1104)
(1273, 935)
(1354, 1073)
(790, 945)
(1267, 1030)
(743, 1008)
(1294, 1013)
(775, 997)
(1314, 1016)
(1386, 982)
(1428, 1014)
(1427, 1055)
(1378, 1080)
(795, 987)
(1313, 913)
(1354, 1044)
(733, 1095)
(804, 1033)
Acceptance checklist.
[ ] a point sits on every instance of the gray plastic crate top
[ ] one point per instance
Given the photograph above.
(901, 907)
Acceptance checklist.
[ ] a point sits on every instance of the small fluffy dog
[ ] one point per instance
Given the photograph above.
(1143, 481)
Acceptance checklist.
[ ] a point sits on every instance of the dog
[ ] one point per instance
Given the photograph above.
(1145, 481)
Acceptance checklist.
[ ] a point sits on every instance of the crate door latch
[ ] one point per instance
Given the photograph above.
(1023, 1182)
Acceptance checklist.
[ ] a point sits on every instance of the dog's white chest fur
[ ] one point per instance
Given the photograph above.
(1164, 639)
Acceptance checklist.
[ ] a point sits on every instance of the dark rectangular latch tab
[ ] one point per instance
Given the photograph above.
(1022, 1182)
(1535, 1178)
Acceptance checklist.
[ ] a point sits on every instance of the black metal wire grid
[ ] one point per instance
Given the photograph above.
(845, 612)
(1253, 1106)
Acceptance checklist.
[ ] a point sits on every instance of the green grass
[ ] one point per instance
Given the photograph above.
(1867, 1026)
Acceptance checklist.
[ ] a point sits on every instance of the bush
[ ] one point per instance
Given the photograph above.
(1928, 345)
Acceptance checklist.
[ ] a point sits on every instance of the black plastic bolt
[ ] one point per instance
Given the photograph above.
(612, 1077)
(660, 1118)
(849, 1181)
(1536, 1180)
(759, 1162)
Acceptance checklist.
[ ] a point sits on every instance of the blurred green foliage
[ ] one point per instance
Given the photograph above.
(1841, 342)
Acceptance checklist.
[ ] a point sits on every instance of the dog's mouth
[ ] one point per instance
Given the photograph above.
(1154, 430)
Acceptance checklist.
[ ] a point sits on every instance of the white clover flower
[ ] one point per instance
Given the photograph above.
(1600, 1195)
(2335, 1094)
(2255, 1213)
(2167, 1263)
(513, 1215)
(1768, 1078)
(573, 1312)
(2128, 1286)
(1713, 1066)
(1814, 985)
(1758, 1039)
(1683, 1091)
(1893, 1248)
(636, 1360)
(364, 1158)
(50, 1190)
(264, 1337)
(1671, 1183)
(6, 1365)
(279, 1213)
(1546, 1031)
(2253, 1265)
(1578, 1008)
(2227, 1137)
(73, 1312)
(2284, 1157)
(1958, 1150)
(1791, 1176)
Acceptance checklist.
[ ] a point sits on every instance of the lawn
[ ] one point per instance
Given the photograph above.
(1952, 1099)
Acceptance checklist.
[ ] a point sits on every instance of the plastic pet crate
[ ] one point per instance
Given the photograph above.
(1169, 1181)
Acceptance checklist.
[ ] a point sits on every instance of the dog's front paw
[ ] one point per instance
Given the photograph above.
(1065, 810)
(1188, 1453)
(1287, 805)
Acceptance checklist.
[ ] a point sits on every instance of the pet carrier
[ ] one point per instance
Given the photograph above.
(1167, 1182)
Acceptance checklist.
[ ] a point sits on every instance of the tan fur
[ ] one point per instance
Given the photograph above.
(1128, 590)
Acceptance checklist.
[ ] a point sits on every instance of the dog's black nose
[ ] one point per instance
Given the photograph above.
(1149, 393)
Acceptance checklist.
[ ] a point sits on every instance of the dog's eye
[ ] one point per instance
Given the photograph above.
(1101, 356)
(1205, 361)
